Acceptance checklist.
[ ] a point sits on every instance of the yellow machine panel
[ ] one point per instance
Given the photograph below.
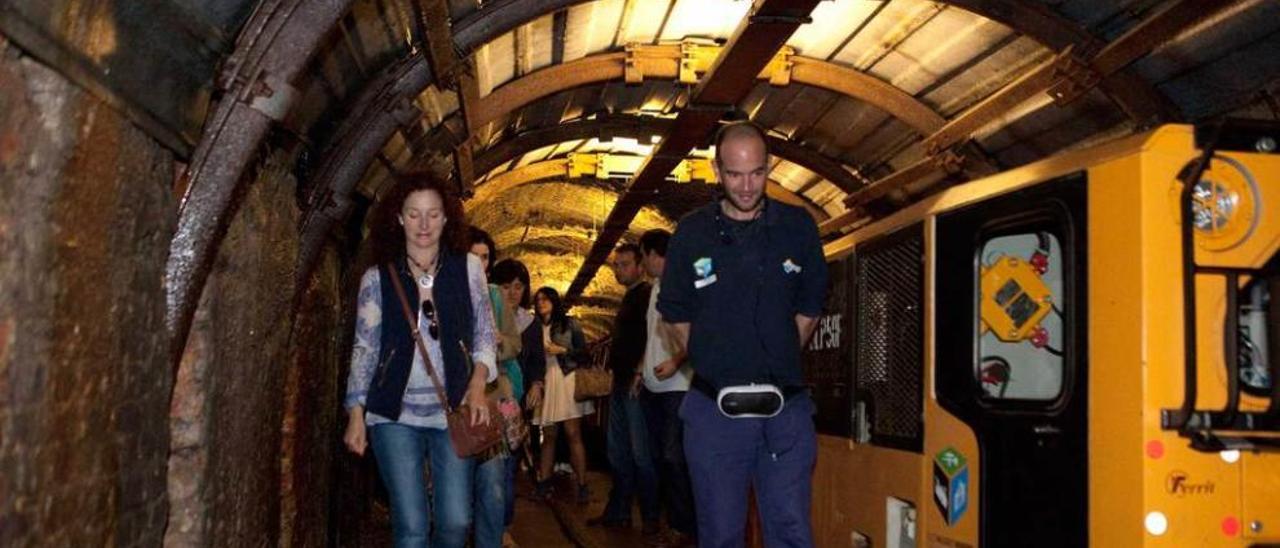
(1091, 349)
(1014, 299)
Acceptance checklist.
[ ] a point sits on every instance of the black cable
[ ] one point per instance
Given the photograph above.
(1052, 350)
(1042, 240)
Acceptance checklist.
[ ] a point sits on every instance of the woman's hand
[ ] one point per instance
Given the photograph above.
(554, 348)
(356, 438)
(475, 399)
(534, 397)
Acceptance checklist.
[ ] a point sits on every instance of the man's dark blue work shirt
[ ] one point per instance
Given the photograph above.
(739, 286)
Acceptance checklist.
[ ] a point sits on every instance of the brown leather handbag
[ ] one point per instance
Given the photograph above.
(592, 382)
(468, 439)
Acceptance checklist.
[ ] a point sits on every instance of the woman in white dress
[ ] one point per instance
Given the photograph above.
(552, 399)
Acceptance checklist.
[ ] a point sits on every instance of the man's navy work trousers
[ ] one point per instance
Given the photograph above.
(775, 455)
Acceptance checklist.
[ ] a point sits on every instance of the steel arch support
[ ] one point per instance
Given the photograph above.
(559, 168)
(663, 62)
(272, 51)
(353, 148)
(639, 127)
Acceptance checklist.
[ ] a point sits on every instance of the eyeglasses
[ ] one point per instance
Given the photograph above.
(433, 328)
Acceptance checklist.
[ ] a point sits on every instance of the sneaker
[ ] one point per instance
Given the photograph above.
(542, 489)
(584, 495)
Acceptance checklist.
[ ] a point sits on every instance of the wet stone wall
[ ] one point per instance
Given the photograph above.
(228, 406)
(86, 214)
(313, 409)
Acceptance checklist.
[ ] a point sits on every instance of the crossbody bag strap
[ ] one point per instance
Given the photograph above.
(417, 337)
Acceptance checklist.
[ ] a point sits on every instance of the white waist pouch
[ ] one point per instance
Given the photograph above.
(750, 401)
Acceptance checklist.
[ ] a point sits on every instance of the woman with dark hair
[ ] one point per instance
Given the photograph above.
(565, 351)
(483, 246)
(495, 474)
(394, 405)
(510, 280)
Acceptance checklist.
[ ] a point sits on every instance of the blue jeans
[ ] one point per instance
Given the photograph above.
(491, 502)
(630, 460)
(666, 436)
(401, 450)
(774, 455)
(513, 462)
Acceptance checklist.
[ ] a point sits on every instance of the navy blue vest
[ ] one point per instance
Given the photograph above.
(452, 295)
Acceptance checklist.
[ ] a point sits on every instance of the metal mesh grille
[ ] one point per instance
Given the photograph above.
(889, 349)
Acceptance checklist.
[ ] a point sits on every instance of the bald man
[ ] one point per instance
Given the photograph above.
(743, 288)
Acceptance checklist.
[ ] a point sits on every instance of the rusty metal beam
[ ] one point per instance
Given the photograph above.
(1064, 77)
(272, 50)
(931, 166)
(385, 102)
(452, 72)
(753, 44)
(431, 18)
(1155, 31)
(1036, 81)
(641, 128)
(1136, 97)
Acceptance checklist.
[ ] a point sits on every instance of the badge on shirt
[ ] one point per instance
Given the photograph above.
(702, 268)
(790, 267)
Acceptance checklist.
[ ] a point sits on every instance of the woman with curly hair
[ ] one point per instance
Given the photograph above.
(394, 405)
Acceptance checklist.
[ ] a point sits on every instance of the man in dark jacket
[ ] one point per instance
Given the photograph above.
(628, 436)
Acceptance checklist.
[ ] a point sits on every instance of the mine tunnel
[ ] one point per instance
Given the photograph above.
(187, 188)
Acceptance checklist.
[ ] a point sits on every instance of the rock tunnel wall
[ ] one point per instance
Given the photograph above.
(86, 214)
(313, 407)
(229, 406)
(98, 442)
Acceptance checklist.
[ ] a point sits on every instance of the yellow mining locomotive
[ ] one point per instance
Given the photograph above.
(1079, 352)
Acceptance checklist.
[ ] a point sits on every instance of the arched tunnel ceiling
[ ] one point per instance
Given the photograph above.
(868, 81)
(355, 89)
(360, 88)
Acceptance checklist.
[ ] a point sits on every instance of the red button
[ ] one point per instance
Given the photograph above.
(1230, 526)
(1155, 449)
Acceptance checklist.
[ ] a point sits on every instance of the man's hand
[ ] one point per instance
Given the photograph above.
(805, 325)
(666, 369)
(356, 437)
(637, 381)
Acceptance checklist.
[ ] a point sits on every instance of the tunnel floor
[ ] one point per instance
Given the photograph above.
(545, 523)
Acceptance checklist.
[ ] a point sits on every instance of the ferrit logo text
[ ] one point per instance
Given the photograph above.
(1179, 484)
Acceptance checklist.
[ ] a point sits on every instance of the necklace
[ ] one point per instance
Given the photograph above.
(427, 279)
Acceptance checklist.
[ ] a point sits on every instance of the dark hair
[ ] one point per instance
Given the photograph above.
(559, 317)
(477, 235)
(735, 129)
(387, 234)
(633, 249)
(510, 270)
(655, 240)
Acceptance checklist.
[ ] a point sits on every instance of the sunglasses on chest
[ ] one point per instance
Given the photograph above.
(433, 328)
